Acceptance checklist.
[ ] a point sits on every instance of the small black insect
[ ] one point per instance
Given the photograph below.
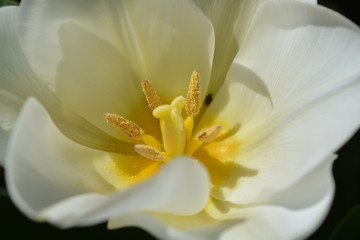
(208, 99)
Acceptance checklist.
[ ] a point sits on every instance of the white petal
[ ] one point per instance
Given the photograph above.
(10, 60)
(94, 78)
(13, 66)
(150, 224)
(10, 106)
(273, 222)
(43, 166)
(167, 226)
(14, 70)
(309, 1)
(18, 78)
(293, 214)
(231, 20)
(308, 188)
(311, 72)
(299, 50)
(297, 146)
(181, 187)
(241, 104)
(107, 48)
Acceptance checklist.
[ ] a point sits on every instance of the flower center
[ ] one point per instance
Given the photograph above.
(177, 136)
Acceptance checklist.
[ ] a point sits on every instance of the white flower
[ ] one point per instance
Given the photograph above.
(284, 82)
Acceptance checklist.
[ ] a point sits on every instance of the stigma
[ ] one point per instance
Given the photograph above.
(177, 132)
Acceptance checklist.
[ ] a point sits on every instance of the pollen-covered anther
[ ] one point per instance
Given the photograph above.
(151, 96)
(193, 97)
(149, 152)
(210, 134)
(131, 129)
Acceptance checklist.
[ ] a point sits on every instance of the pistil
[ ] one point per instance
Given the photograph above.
(172, 126)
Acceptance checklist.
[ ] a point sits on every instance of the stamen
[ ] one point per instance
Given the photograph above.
(210, 134)
(151, 141)
(188, 125)
(193, 104)
(151, 96)
(192, 146)
(132, 130)
(149, 152)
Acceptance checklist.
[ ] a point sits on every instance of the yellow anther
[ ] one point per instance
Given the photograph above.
(132, 130)
(193, 104)
(210, 134)
(150, 94)
(149, 152)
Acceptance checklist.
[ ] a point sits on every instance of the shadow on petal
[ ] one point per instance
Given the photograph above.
(219, 157)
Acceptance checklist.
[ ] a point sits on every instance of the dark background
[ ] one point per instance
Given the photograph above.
(342, 222)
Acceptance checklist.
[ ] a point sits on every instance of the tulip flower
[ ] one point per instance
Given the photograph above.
(190, 119)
